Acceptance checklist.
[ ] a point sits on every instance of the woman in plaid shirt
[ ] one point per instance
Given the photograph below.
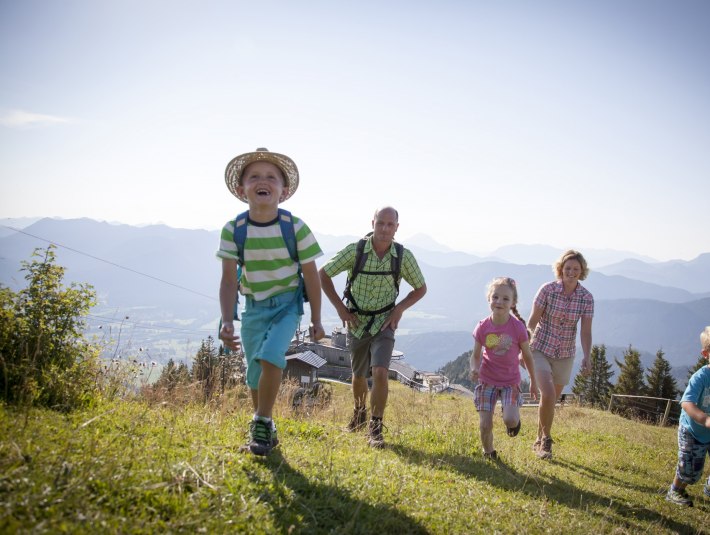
(558, 307)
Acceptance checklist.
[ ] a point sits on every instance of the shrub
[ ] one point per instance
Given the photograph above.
(44, 358)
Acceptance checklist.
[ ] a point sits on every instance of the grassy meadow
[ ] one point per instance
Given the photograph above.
(171, 466)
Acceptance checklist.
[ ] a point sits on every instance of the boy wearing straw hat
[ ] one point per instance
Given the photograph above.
(270, 282)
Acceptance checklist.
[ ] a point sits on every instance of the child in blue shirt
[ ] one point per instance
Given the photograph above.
(693, 431)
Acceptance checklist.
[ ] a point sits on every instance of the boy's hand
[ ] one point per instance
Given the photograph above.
(229, 337)
(316, 331)
(474, 376)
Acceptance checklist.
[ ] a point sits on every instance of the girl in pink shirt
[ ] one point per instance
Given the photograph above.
(499, 340)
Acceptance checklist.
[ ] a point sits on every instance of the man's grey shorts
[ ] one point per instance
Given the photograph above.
(370, 351)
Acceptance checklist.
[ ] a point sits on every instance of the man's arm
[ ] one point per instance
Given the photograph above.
(392, 320)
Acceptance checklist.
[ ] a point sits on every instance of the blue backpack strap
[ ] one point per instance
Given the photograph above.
(288, 232)
(240, 238)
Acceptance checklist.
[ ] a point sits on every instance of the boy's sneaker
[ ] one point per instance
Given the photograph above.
(492, 455)
(536, 444)
(260, 437)
(358, 420)
(706, 490)
(544, 451)
(374, 434)
(513, 431)
(679, 497)
(274, 436)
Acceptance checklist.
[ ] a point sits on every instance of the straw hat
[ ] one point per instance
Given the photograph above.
(235, 169)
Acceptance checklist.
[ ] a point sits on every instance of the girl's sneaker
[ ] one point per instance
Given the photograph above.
(679, 497)
(513, 431)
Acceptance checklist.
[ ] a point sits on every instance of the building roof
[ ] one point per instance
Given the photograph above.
(404, 368)
(309, 357)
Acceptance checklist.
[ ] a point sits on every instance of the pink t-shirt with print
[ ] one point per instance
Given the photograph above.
(501, 346)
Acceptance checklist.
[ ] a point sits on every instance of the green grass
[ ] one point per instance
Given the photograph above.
(134, 467)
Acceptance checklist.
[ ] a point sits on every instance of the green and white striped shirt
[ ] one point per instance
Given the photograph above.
(268, 269)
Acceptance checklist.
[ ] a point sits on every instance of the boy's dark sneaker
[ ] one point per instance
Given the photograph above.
(493, 455)
(374, 434)
(679, 497)
(358, 420)
(260, 437)
(274, 436)
(513, 431)
(544, 451)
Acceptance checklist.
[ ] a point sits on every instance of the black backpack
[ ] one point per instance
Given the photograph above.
(360, 260)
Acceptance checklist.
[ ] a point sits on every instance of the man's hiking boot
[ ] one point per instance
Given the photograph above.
(513, 431)
(358, 420)
(679, 497)
(261, 440)
(544, 451)
(374, 433)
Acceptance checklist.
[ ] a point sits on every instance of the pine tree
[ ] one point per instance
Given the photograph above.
(630, 381)
(702, 361)
(594, 388)
(205, 369)
(659, 380)
(661, 384)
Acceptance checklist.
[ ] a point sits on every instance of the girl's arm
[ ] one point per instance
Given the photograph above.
(312, 282)
(696, 413)
(530, 366)
(475, 363)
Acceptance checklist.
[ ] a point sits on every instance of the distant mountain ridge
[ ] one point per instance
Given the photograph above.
(164, 276)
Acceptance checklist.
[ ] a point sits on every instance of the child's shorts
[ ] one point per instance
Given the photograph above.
(267, 329)
(485, 396)
(691, 456)
(370, 351)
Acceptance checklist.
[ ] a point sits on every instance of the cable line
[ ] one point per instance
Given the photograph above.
(112, 263)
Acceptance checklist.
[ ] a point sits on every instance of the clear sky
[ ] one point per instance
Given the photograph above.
(486, 123)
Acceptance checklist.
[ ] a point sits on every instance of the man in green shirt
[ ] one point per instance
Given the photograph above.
(372, 314)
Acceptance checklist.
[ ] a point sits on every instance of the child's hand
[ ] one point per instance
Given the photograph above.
(474, 376)
(316, 331)
(229, 337)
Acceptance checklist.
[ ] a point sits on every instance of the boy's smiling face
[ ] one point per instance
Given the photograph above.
(263, 184)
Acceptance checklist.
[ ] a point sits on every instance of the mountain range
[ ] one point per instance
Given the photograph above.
(157, 286)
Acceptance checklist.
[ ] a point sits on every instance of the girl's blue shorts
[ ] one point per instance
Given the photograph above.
(267, 329)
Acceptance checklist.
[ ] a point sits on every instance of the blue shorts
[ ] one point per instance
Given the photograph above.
(267, 329)
(691, 457)
(485, 396)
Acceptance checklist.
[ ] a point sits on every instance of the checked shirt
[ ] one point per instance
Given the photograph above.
(373, 292)
(556, 331)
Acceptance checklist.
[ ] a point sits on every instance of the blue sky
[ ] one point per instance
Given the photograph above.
(486, 123)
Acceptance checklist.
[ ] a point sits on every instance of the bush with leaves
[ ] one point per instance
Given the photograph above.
(44, 358)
